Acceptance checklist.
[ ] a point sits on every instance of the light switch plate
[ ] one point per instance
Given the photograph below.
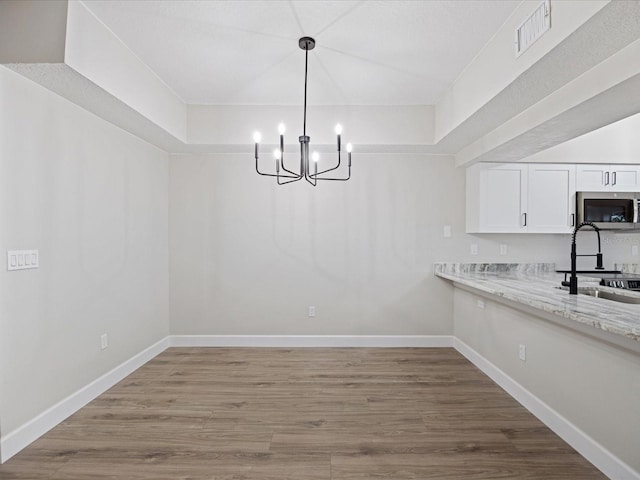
(474, 249)
(22, 259)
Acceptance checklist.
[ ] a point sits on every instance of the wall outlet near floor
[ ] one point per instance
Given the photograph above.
(522, 352)
(312, 311)
(474, 249)
(447, 231)
(503, 249)
(104, 341)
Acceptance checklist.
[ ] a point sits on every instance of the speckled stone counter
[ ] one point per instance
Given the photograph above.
(535, 286)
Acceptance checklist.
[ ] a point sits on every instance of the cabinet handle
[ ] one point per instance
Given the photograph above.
(573, 219)
(606, 178)
(524, 219)
(613, 175)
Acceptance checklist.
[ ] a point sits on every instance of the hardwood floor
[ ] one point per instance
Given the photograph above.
(302, 414)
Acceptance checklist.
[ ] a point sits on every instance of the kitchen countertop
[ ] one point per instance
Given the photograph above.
(535, 285)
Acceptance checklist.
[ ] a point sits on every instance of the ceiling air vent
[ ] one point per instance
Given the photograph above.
(533, 27)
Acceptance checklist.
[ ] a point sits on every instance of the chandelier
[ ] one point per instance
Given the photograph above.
(282, 173)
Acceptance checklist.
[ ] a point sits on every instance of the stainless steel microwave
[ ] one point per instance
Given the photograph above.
(609, 210)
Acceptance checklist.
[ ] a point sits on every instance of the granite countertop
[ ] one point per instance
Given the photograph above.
(536, 286)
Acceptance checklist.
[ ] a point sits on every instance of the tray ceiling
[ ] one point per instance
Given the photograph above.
(246, 52)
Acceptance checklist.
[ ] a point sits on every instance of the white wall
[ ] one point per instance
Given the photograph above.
(591, 383)
(380, 126)
(93, 200)
(249, 257)
(618, 142)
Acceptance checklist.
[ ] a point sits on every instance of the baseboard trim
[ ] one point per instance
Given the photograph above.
(599, 456)
(291, 341)
(21, 437)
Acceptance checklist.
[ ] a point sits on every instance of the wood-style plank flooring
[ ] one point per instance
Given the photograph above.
(302, 414)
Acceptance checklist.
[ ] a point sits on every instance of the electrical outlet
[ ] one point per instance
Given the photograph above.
(104, 341)
(522, 352)
(634, 250)
(480, 303)
(503, 249)
(312, 311)
(447, 231)
(474, 249)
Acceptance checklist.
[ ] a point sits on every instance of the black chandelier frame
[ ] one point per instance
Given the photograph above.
(282, 173)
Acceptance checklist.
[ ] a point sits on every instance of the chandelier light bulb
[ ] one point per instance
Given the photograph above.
(276, 153)
(281, 129)
(349, 147)
(257, 137)
(315, 156)
(338, 129)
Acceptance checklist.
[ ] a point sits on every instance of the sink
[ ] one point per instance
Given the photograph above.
(621, 297)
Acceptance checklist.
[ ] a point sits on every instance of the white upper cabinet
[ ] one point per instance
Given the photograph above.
(500, 201)
(608, 178)
(520, 198)
(551, 204)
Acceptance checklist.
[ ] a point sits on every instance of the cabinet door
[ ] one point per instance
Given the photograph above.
(503, 197)
(608, 178)
(552, 198)
(593, 178)
(625, 178)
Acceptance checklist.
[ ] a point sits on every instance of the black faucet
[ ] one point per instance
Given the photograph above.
(573, 281)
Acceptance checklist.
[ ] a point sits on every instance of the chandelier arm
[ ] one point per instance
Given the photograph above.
(258, 170)
(295, 179)
(336, 179)
(281, 176)
(282, 157)
(274, 175)
(308, 179)
(328, 169)
(286, 169)
(293, 174)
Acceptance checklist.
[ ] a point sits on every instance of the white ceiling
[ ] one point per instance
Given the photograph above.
(246, 52)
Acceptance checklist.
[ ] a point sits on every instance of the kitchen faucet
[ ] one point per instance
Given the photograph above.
(573, 281)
